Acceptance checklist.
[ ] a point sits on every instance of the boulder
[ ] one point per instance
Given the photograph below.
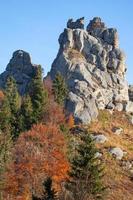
(99, 138)
(117, 130)
(98, 155)
(117, 153)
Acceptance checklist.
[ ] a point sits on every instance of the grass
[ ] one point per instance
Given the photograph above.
(75, 55)
(120, 186)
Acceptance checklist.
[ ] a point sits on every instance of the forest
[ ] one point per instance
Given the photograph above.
(44, 154)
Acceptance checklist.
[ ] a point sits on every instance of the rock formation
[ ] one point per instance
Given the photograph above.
(130, 90)
(21, 69)
(94, 69)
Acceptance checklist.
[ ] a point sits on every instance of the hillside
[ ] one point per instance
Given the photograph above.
(119, 173)
(69, 135)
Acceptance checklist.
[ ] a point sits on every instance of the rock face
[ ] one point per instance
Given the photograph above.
(94, 69)
(130, 90)
(21, 69)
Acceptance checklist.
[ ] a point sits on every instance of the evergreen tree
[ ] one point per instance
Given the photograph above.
(50, 193)
(5, 158)
(38, 95)
(14, 102)
(5, 116)
(86, 171)
(11, 92)
(59, 89)
(26, 117)
(10, 108)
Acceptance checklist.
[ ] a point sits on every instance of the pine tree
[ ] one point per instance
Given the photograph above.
(86, 171)
(12, 95)
(5, 158)
(14, 102)
(50, 193)
(59, 89)
(26, 118)
(5, 116)
(38, 95)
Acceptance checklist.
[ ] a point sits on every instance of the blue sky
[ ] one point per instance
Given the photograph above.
(35, 25)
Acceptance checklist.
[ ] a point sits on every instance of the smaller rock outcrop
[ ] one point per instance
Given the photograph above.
(98, 29)
(21, 69)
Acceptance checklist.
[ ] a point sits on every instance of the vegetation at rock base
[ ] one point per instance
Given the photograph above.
(44, 155)
(59, 89)
(38, 95)
(86, 171)
(10, 108)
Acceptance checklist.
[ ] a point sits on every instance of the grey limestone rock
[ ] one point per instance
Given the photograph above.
(99, 138)
(93, 67)
(21, 69)
(129, 107)
(117, 152)
(79, 23)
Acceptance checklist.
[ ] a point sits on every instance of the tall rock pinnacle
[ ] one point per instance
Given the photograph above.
(94, 69)
(21, 69)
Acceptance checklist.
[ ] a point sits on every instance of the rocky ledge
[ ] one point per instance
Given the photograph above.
(94, 68)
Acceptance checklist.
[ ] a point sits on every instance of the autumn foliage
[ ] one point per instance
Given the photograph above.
(1, 95)
(71, 121)
(38, 154)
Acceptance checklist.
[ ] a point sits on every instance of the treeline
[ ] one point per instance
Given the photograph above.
(38, 160)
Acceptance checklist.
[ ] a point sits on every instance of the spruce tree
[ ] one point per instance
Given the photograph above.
(86, 171)
(26, 117)
(5, 116)
(59, 89)
(5, 157)
(14, 101)
(50, 193)
(9, 113)
(11, 92)
(38, 95)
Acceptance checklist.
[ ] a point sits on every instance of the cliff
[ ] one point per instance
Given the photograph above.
(94, 68)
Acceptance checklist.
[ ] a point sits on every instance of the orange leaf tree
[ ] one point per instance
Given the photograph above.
(38, 154)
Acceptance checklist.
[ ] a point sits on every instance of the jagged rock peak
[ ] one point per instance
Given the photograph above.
(94, 68)
(19, 60)
(21, 69)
